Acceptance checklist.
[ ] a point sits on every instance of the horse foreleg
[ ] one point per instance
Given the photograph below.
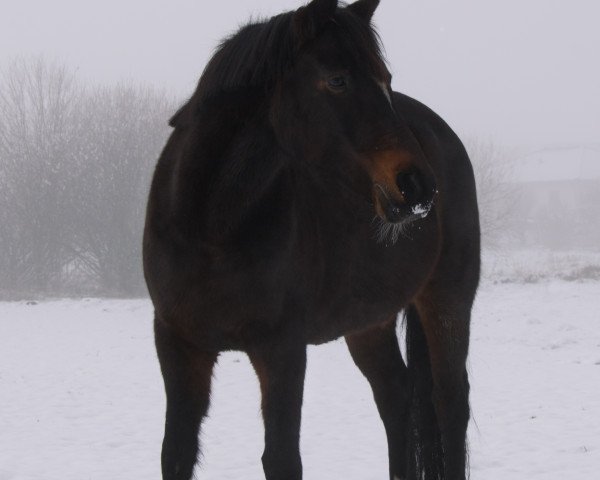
(280, 367)
(377, 355)
(187, 376)
(446, 328)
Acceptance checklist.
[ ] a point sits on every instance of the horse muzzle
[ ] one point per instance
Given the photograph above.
(405, 192)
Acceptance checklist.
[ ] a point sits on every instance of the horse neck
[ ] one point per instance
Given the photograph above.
(227, 168)
(332, 193)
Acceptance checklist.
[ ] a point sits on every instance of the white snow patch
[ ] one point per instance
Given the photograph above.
(421, 209)
(82, 395)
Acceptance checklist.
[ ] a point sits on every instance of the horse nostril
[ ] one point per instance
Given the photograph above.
(416, 187)
(412, 187)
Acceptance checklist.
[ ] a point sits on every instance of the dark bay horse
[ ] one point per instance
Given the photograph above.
(300, 199)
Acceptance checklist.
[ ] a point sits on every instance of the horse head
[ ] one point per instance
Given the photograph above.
(334, 110)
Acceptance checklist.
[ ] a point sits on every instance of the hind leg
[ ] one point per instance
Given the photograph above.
(377, 355)
(446, 328)
(187, 376)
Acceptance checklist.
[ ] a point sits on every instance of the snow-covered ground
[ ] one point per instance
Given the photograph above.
(81, 394)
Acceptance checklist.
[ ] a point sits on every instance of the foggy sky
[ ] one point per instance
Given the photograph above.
(522, 72)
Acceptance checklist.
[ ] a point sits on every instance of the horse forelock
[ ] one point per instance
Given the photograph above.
(364, 43)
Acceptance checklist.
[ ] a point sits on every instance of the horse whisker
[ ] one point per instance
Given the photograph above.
(389, 233)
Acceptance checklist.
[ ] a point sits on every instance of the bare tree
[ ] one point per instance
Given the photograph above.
(75, 165)
(122, 130)
(37, 98)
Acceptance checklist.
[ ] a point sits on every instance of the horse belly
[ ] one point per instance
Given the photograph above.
(350, 314)
(221, 312)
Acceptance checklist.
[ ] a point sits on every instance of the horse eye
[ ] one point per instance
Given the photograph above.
(337, 82)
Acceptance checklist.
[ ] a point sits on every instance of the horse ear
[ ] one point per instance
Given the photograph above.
(309, 20)
(364, 8)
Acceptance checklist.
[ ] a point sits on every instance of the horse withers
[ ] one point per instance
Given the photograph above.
(300, 199)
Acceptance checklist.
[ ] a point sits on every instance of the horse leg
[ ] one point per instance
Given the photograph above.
(377, 355)
(280, 367)
(187, 376)
(446, 328)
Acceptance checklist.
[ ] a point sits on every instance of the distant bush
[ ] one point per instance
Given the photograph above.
(535, 266)
(496, 195)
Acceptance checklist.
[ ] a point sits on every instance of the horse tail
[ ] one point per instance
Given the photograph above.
(425, 453)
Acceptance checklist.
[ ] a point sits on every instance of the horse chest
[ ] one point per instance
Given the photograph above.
(354, 301)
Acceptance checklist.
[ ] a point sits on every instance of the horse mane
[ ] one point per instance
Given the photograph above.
(258, 54)
(253, 57)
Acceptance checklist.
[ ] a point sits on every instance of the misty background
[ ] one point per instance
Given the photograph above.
(86, 90)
